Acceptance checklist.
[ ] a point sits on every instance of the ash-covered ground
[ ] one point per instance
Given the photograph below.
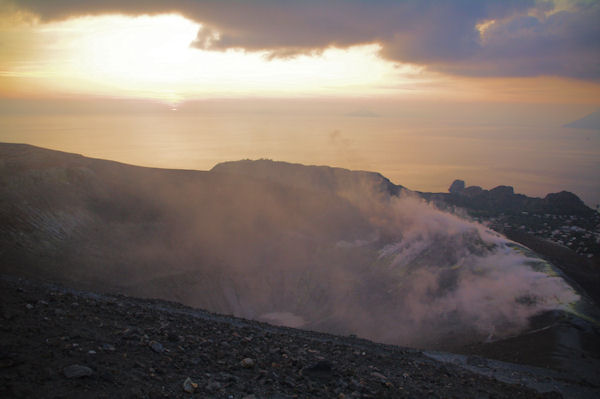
(62, 343)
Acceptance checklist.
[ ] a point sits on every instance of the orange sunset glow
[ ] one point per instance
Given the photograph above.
(190, 58)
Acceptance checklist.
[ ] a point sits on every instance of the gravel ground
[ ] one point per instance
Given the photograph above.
(62, 343)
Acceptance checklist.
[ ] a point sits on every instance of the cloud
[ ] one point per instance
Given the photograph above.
(522, 37)
(565, 43)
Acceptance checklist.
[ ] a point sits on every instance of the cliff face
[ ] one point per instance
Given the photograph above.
(502, 199)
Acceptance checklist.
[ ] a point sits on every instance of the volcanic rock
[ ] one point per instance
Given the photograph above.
(77, 371)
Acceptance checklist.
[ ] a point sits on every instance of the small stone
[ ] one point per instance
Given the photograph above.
(136, 392)
(378, 375)
(247, 363)
(226, 377)
(108, 347)
(321, 367)
(213, 386)
(29, 306)
(8, 315)
(6, 362)
(77, 371)
(172, 337)
(189, 386)
(157, 347)
(477, 361)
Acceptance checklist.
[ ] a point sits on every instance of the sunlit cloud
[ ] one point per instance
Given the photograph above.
(152, 56)
(527, 37)
(137, 50)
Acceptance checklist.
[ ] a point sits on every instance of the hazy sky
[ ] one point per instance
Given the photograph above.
(182, 49)
(534, 64)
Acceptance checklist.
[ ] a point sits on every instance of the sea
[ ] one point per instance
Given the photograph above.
(423, 152)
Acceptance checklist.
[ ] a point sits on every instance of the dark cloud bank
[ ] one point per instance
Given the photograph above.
(528, 37)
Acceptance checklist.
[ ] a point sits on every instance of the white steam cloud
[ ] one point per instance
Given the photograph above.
(408, 274)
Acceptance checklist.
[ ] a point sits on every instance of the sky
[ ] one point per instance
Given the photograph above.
(486, 55)
(185, 49)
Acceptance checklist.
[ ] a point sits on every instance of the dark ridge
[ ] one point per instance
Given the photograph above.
(309, 177)
(503, 200)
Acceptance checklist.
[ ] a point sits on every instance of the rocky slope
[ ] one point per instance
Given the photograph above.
(58, 342)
